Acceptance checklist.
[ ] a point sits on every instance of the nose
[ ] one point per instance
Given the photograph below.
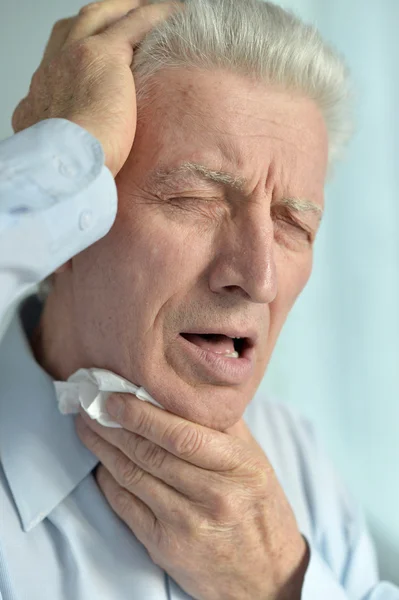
(244, 258)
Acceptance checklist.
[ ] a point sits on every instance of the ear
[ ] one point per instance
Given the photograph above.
(65, 267)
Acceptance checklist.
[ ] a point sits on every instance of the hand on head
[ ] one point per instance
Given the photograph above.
(187, 293)
(85, 73)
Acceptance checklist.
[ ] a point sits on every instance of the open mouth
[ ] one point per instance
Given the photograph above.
(223, 345)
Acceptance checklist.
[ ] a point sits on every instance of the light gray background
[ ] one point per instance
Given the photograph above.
(338, 357)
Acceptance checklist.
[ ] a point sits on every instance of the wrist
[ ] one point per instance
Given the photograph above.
(291, 589)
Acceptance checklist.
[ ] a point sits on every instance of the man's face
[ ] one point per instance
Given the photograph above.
(207, 244)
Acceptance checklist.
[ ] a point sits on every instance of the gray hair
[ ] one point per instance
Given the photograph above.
(257, 39)
(253, 38)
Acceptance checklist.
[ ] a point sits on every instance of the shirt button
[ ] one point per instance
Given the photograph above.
(65, 169)
(85, 220)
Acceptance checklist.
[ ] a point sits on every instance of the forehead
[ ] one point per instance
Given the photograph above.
(230, 122)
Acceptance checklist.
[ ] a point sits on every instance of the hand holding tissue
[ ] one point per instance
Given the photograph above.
(89, 389)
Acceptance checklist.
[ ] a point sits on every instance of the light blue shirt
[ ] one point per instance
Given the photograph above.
(59, 539)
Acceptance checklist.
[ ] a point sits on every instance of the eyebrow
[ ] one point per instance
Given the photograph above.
(190, 168)
(238, 183)
(302, 206)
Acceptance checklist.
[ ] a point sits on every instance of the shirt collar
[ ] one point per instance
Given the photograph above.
(42, 457)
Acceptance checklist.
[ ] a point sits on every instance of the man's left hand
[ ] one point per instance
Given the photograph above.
(206, 504)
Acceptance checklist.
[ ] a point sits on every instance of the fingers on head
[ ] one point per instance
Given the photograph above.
(57, 38)
(62, 26)
(95, 17)
(121, 20)
(137, 23)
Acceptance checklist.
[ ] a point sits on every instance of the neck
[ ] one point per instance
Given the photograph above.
(54, 341)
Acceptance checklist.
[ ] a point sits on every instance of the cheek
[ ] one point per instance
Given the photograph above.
(154, 257)
(121, 285)
(143, 263)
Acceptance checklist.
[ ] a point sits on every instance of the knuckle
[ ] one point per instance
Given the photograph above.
(150, 454)
(186, 440)
(226, 508)
(128, 474)
(143, 421)
(121, 502)
(82, 49)
(89, 8)
(194, 526)
(37, 79)
(83, 53)
(95, 443)
(60, 25)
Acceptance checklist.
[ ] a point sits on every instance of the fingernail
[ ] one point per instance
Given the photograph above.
(115, 405)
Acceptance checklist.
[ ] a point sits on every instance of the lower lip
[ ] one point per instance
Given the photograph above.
(223, 370)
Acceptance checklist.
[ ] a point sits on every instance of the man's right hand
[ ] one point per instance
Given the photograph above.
(85, 75)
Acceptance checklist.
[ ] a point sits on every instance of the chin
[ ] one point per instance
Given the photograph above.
(214, 406)
(194, 392)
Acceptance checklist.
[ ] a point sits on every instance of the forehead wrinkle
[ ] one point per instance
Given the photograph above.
(239, 183)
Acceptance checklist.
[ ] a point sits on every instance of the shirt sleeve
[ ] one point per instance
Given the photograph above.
(56, 199)
(321, 583)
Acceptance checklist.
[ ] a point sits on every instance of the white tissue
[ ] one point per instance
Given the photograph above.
(90, 388)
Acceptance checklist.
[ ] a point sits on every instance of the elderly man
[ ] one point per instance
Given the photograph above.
(240, 110)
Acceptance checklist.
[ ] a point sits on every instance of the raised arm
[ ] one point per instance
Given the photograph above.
(75, 130)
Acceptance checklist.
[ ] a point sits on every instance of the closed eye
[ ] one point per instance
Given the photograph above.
(298, 226)
(201, 205)
(287, 225)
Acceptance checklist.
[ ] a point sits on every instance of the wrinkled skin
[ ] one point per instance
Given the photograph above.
(183, 254)
(186, 253)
